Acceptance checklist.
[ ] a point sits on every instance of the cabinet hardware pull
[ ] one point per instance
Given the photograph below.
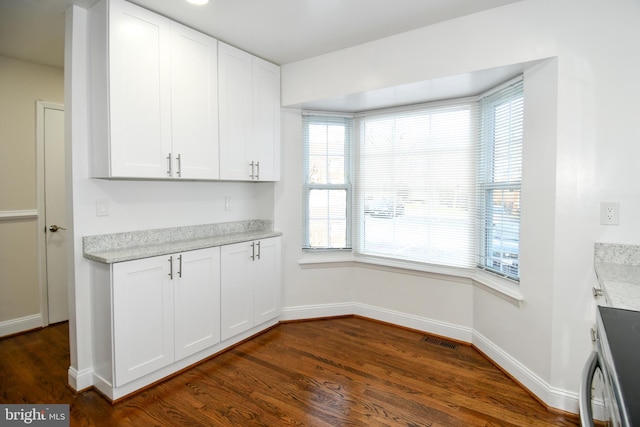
(594, 335)
(180, 266)
(169, 169)
(596, 292)
(171, 267)
(253, 251)
(258, 168)
(258, 250)
(252, 169)
(179, 172)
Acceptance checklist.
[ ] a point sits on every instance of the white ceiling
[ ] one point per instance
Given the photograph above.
(281, 31)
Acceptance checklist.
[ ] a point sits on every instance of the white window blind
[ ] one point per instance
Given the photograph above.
(499, 179)
(326, 181)
(416, 184)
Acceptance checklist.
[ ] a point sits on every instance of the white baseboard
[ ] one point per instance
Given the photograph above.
(21, 324)
(80, 380)
(552, 397)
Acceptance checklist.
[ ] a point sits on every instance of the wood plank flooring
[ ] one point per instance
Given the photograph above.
(334, 372)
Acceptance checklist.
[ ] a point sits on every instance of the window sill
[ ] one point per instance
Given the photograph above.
(498, 286)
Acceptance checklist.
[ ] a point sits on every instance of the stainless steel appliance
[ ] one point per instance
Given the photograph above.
(615, 365)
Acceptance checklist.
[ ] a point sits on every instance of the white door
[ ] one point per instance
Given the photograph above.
(266, 119)
(267, 281)
(194, 104)
(142, 317)
(196, 290)
(235, 95)
(140, 104)
(51, 134)
(236, 294)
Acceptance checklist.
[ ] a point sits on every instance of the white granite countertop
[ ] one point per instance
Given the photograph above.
(618, 270)
(119, 247)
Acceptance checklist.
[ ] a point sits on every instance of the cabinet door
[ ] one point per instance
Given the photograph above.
(194, 104)
(236, 289)
(234, 85)
(142, 317)
(197, 300)
(266, 118)
(139, 91)
(267, 289)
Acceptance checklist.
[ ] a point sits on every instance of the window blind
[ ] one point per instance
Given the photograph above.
(416, 184)
(326, 181)
(500, 178)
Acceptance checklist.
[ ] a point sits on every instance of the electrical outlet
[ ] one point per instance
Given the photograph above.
(227, 203)
(610, 213)
(102, 207)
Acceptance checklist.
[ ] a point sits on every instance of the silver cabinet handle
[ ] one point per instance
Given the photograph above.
(180, 266)
(53, 228)
(179, 172)
(251, 175)
(596, 292)
(169, 168)
(258, 249)
(258, 168)
(171, 267)
(253, 251)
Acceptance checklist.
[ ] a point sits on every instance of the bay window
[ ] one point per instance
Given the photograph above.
(435, 184)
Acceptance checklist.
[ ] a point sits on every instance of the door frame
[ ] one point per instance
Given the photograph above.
(40, 196)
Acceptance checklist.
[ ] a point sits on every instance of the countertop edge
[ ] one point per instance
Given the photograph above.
(148, 251)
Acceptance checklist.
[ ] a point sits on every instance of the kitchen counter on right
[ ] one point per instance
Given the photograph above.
(618, 271)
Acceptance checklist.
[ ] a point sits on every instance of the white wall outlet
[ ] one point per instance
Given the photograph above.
(609, 213)
(227, 203)
(102, 207)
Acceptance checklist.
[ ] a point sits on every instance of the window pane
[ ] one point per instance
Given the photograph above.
(417, 186)
(327, 218)
(503, 231)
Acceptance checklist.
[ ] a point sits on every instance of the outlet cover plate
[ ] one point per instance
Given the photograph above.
(609, 213)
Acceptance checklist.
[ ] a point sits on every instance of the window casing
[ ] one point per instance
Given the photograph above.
(500, 180)
(327, 142)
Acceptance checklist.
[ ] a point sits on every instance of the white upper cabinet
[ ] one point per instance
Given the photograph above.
(249, 103)
(153, 96)
(194, 103)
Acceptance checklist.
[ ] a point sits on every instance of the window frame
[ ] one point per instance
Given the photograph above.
(486, 182)
(310, 117)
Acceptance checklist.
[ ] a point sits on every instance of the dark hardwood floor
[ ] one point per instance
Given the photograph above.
(334, 372)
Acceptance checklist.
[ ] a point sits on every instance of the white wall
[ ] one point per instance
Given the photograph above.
(133, 205)
(584, 151)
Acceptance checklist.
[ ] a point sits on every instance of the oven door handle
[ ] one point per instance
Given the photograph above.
(589, 370)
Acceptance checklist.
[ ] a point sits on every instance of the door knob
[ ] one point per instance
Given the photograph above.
(53, 228)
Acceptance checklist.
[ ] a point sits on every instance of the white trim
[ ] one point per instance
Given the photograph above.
(20, 324)
(551, 396)
(14, 215)
(80, 380)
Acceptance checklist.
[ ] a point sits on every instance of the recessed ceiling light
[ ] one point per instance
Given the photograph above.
(198, 2)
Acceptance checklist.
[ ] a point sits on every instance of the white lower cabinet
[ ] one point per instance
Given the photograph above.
(154, 316)
(164, 308)
(250, 285)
